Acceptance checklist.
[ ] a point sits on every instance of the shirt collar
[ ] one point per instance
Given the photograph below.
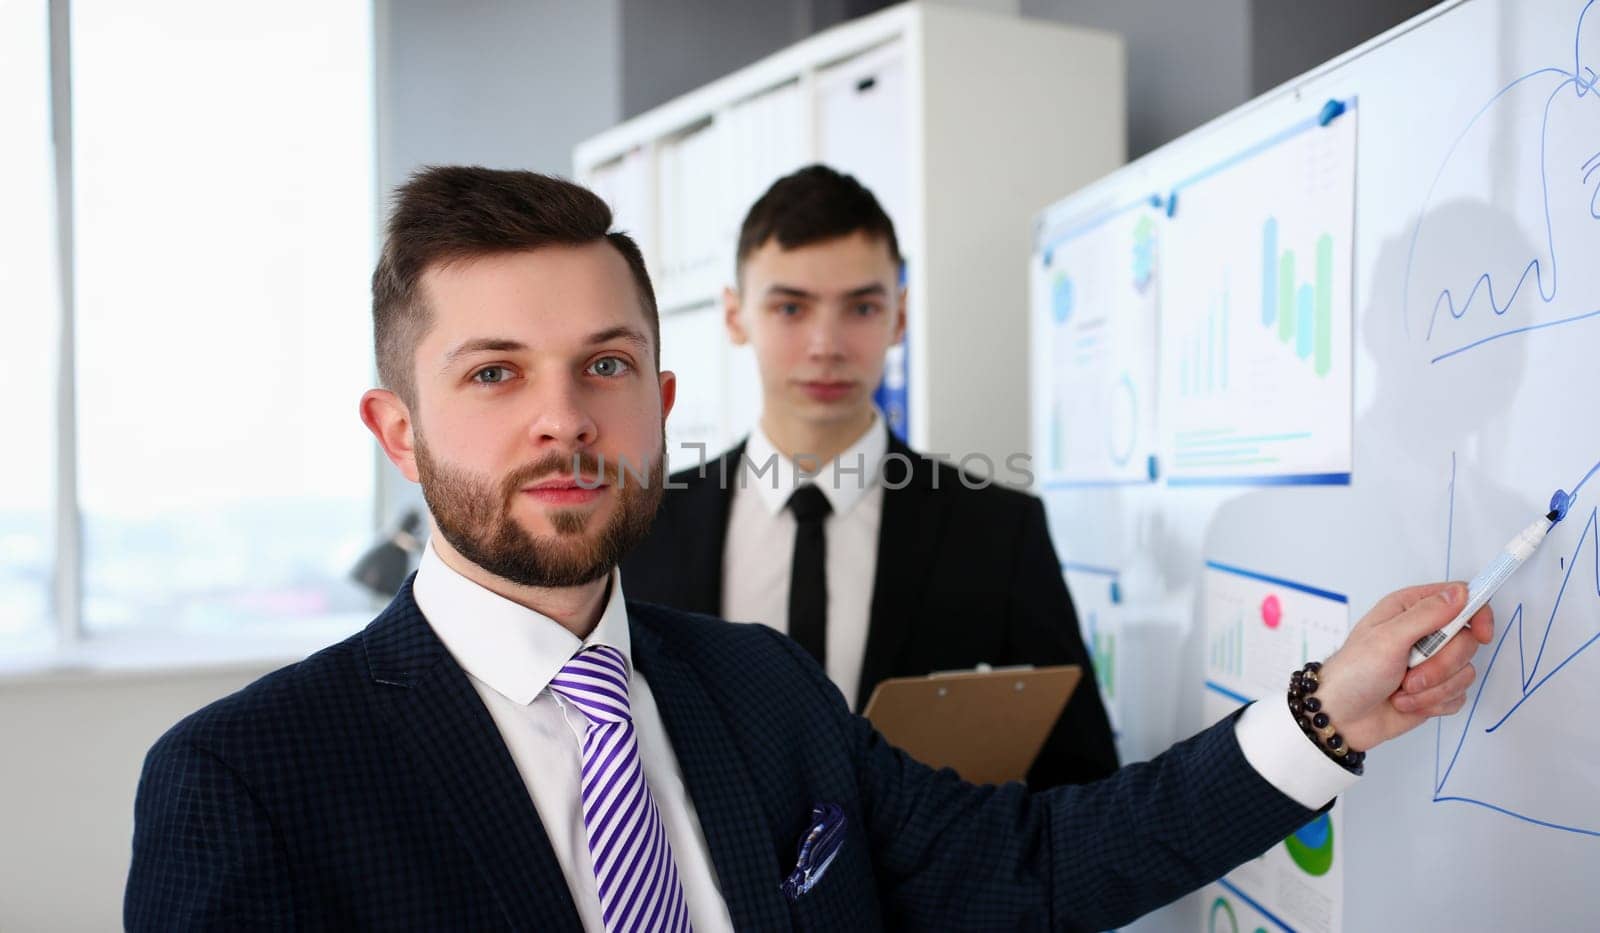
(844, 480)
(510, 647)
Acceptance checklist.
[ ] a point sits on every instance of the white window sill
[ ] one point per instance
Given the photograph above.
(165, 653)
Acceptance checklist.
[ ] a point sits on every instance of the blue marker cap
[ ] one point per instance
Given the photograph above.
(1172, 203)
(1153, 466)
(1330, 112)
(1155, 201)
(1116, 593)
(1560, 503)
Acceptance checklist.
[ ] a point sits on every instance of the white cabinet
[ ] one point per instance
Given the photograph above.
(863, 126)
(628, 184)
(963, 123)
(692, 345)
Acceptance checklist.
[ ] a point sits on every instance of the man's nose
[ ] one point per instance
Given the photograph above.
(824, 337)
(561, 418)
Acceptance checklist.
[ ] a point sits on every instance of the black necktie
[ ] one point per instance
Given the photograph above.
(808, 578)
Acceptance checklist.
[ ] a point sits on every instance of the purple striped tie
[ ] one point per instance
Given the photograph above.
(633, 866)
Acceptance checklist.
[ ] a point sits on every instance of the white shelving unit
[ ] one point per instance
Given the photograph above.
(963, 123)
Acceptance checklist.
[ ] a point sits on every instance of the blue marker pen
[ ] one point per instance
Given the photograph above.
(1486, 583)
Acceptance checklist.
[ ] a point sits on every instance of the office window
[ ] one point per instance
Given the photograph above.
(223, 162)
(29, 324)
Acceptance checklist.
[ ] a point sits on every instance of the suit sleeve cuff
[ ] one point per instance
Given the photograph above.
(1282, 754)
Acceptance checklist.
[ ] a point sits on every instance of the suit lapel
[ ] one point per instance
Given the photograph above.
(442, 723)
(725, 799)
(909, 537)
(704, 530)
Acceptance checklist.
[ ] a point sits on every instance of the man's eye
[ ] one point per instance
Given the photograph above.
(788, 309)
(491, 375)
(609, 366)
(866, 309)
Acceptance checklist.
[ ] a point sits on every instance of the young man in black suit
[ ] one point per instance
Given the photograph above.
(912, 567)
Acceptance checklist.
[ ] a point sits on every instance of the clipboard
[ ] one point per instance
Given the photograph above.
(987, 725)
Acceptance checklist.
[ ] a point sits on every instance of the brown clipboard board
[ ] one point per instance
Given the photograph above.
(987, 725)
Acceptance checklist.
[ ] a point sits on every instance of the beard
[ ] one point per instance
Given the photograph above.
(475, 516)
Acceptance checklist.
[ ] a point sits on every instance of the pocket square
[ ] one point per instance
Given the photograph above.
(818, 847)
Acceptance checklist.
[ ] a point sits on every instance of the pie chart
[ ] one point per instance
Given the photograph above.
(1311, 846)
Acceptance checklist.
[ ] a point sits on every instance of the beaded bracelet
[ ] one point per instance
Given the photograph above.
(1308, 712)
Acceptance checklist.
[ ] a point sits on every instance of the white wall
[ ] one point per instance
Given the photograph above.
(71, 747)
(501, 83)
(671, 48)
(1187, 62)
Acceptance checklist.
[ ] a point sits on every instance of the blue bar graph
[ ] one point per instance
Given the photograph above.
(1211, 352)
(1203, 364)
(1224, 340)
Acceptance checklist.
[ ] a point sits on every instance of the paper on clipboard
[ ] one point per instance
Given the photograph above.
(987, 725)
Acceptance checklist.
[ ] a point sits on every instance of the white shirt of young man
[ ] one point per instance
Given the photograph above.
(758, 556)
(511, 654)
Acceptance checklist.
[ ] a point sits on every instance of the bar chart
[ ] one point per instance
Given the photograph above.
(1203, 367)
(1257, 315)
(1260, 627)
(1301, 312)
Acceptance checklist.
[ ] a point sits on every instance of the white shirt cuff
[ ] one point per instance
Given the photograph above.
(1280, 752)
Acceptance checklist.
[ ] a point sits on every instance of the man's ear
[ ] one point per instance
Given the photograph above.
(669, 393)
(389, 420)
(730, 317)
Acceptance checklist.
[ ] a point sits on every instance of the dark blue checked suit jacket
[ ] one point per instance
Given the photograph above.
(367, 788)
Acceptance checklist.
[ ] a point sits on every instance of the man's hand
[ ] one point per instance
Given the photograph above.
(1366, 690)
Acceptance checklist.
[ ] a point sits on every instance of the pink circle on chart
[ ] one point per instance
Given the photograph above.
(1271, 611)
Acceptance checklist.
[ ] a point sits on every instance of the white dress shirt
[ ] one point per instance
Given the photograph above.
(511, 654)
(1274, 745)
(759, 553)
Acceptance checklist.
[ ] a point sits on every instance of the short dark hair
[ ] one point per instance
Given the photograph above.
(450, 213)
(809, 206)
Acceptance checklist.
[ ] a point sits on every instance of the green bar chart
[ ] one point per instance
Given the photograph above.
(1300, 312)
(1103, 651)
(1227, 648)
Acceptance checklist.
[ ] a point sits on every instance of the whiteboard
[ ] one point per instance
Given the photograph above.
(1474, 331)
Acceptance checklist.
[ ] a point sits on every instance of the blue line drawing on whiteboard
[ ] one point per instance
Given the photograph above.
(1474, 730)
(1562, 202)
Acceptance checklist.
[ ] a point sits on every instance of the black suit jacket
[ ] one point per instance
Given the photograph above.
(964, 576)
(367, 788)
